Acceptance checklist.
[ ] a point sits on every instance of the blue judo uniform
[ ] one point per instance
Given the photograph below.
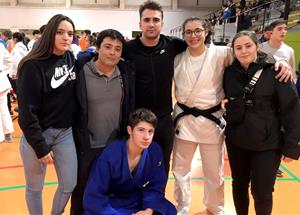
(113, 190)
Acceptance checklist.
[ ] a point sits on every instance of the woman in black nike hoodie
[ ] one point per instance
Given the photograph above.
(47, 103)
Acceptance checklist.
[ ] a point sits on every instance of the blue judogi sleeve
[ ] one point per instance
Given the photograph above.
(95, 200)
(153, 194)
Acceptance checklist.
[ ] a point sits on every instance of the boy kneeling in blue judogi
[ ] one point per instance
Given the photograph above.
(128, 177)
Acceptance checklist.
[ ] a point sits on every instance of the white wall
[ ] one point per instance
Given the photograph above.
(94, 19)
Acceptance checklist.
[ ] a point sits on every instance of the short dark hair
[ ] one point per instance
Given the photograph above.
(34, 32)
(142, 115)
(267, 28)
(42, 29)
(151, 5)
(113, 34)
(87, 32)
(276, 23)
(92, 40)
(7, 34)
(205, 24)
(18, 36)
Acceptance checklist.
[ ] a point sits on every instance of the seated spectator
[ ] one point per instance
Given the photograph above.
(226, 13)
(243, 21)
(128, 177)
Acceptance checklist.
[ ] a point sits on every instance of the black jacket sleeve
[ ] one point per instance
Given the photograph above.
(29, 93)
(179, 44)
(290, 118)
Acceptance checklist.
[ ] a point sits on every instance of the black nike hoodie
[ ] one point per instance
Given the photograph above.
(46, 98)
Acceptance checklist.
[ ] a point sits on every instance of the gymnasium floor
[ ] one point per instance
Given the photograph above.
(12, 189)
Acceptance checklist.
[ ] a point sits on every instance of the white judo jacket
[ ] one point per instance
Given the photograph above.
(5, 68)
(19, 51)
(203, 92)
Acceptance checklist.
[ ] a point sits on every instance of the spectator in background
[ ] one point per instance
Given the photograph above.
(91, 47)
(5, 38)
(26, 40)
(19, 51)
(242, 4)
(6, 125)
(231, 7)
(276, 46)
(75, 48)
(266, 34)
(82, 40)
(36, 35)
(226, 13)
(90, 43)
(243, 21)
(8, 39)
(41, 29)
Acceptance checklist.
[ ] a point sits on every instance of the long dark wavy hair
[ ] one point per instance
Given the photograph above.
(45, 45)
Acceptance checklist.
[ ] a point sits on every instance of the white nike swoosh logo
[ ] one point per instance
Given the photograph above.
(56, 83)
(144, 185)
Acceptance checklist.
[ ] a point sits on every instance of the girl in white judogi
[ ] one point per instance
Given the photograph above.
(198, 76)
(198, 83)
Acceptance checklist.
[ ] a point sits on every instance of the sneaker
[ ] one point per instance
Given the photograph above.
(279, 173)
(8, 138)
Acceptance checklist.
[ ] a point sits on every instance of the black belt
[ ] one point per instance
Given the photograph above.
(207, 113)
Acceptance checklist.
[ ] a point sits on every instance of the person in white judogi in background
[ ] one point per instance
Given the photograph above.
(6, 125)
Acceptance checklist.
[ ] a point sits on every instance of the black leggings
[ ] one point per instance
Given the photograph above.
(259, 168)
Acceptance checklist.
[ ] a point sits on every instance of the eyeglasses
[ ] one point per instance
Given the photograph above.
(197, 32)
